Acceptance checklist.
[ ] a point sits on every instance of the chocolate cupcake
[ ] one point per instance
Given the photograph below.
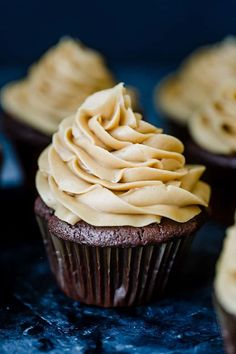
(1, 162)
(213, 143)
(182, 93)
(118, 207)
(53, 89)
(225, 291)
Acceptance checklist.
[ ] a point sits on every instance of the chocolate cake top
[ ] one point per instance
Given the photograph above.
(123, 236)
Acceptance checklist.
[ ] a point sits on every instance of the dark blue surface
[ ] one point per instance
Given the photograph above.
(154, 30)
(35, 317)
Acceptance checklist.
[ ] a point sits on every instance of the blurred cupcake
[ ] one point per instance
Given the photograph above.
(213, 142)
(225, 291)
(117, 206)
(53, 89)
(182, 93)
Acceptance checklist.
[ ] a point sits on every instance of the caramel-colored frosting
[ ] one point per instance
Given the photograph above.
(214, 126)
(184, 92)
(225, 282)
(56, 85)
(108, 167)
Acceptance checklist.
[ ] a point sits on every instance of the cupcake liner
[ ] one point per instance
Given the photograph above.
(112, 276)
(28, 148)
(227, 323)
(28, 144)
(27, 156)
(176, 129)
(219, 168)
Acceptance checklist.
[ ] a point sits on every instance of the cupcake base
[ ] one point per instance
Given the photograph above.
(178, 130)
(227, 323)
(114, 266)
(18, 221)
(28, 144)
(221, 175)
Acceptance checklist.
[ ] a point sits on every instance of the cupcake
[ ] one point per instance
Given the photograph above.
(213, 142)
(225, 291)
(53, 89)
(184, 92)
(1, 162)
(117, 207)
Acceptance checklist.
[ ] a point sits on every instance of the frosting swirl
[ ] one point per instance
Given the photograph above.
(184, 92)
(108, 167)
(56, 85)
(214, 126)
(225, 281)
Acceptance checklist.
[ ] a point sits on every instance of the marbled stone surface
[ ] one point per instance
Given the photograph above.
(35, 317)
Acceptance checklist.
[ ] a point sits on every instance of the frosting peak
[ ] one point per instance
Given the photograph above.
(108, 167)
(56, 85)
(214, 126)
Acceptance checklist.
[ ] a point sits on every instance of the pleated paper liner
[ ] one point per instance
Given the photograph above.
(218, 168)
(113, 276)
(227, 324)
(28, 143)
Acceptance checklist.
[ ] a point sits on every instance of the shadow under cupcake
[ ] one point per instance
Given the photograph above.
(117, 206)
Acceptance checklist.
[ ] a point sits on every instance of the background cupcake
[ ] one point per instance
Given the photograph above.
(118, 207)
(213, 142)
(225, 291)
(52, 90)
(182, 93)
(1, 159)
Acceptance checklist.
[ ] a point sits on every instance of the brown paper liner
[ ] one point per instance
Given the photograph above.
(112, 276)
(28, 143)
(176, 129)
(227, 323)
(223, 198)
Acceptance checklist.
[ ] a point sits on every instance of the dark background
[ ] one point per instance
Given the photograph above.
(150, 30)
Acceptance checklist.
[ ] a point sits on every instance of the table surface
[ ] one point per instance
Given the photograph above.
(35, 317)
